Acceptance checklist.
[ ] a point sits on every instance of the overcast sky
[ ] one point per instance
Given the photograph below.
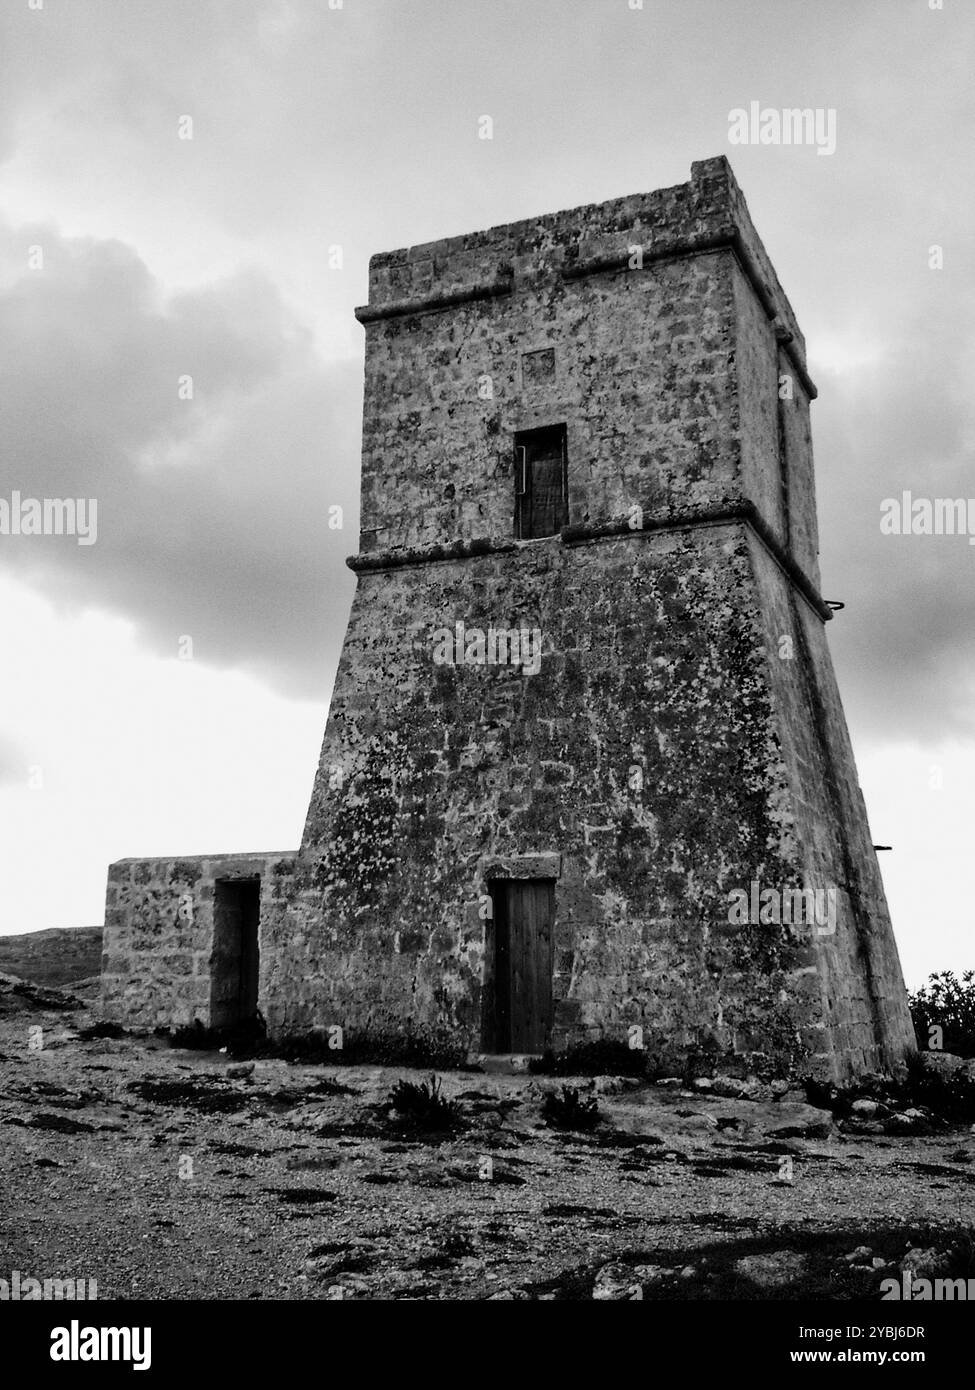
(357, 127)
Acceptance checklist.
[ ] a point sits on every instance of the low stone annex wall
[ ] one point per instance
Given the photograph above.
(159, 933)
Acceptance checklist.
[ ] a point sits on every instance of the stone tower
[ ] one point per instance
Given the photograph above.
(585, 706)
(586, 773)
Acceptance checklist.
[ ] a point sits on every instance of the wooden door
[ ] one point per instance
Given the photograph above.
(521, 995)
(541, 483)
(235, 963)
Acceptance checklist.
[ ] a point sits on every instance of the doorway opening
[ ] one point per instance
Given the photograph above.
(517, 1014)
(541, 483)
(234, 964)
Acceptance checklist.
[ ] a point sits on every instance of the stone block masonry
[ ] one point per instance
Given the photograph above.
(162, 953)
(591, 427)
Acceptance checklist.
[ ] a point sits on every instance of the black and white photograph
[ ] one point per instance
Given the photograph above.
(487, 697)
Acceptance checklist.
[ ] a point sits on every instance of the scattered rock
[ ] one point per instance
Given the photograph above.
(803, 1122)
(865, 1109)
(863, 1127)
(858, 1256)
(334, 1247)
(490, 1119)
(903, 1123)
(588, 1249)
(336, 1270)
(775, 1270)
(698, 1120)
(347, 1288)
(733, 1087)
(925, 1264)
(616, 1282)
(38, 996)
(502, 1173)
(613, 1085)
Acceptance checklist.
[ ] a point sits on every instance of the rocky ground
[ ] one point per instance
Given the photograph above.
(164, 1173)
(58, 956)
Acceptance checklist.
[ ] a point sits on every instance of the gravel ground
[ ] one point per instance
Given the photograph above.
(169, 1174)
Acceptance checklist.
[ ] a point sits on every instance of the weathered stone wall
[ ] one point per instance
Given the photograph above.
(682, 738)
(656, 671)
(438, 459)
(158, 938)
(774, 431)
(652, 672)
(862, 1018)
(661, 657)
(643, 366)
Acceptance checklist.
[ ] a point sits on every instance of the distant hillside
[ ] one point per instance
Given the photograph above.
(59, 956)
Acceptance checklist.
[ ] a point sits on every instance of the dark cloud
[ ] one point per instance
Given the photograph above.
(357, 126)
(212, 517)
(212, 512)
(905, 644)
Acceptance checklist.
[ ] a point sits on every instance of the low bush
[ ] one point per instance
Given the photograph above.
(948, 1004)
(422, 1105)
(570, 1110)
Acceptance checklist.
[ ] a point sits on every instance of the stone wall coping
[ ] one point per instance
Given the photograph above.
(706, 213)
(487, 289)
(425, 554)
(735, 511)
(729, 239)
